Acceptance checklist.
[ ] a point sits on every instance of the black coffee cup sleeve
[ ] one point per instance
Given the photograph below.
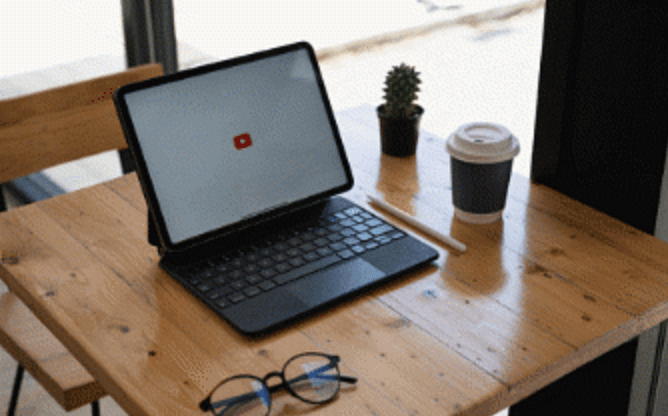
(481, 188)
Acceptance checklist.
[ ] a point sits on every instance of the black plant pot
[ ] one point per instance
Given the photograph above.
(398, 136)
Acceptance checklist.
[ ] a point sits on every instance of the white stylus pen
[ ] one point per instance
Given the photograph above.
(412, 221)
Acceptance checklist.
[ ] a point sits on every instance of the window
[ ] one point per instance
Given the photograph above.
(479, 60)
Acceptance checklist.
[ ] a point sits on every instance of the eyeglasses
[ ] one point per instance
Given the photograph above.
(311, 377)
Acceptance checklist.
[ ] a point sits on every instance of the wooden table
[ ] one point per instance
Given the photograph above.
(549, 288)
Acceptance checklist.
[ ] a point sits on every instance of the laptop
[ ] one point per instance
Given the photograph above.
(241, 164)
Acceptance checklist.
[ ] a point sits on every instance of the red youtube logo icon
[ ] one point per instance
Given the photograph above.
(242, 141)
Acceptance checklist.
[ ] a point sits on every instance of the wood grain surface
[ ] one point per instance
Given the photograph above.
(550, 287)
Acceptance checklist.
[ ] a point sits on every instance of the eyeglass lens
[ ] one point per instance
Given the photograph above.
(241, 396)
(312, 378)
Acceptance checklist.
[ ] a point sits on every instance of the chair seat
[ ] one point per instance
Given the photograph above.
(30, 343)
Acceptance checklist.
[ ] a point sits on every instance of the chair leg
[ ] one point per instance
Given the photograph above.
(15, 391)
(95, 407)
(18, 379)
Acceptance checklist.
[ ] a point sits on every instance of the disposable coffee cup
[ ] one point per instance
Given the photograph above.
(481, 160)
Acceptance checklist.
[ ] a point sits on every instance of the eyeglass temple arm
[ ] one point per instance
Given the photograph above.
(207, 405)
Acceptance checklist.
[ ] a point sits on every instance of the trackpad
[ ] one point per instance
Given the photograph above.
(335, 282)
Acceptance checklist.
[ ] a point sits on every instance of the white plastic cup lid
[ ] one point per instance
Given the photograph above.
(482, 143)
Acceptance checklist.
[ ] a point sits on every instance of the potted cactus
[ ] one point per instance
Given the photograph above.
(400, 117)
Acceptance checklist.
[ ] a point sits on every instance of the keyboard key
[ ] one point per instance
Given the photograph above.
(222, 268)
(383, 240)
(351, 241)
(282, 268)
(267, 285)
(254, 279)
(307, 247)
(374, 222)
(306, 269)
(357, 218)
(224, 290)
(280, 257)
(340, 215)
(366, 215)
(220, 280)
(347, 232)
(266, 252)
(235, 274)
(280, 279)
(321, 242)
(203, 287)
(252, 258)
(222, 303)
(397, 235)
(345, 254)
(360, 227)
(267, 273)
(213, 294)
(251, 268)
(311, 256)
(381, 229)
(334, 228)
(307, 236)
(264, 263)
(358, 249)
(203, 274)
(334, 237)
(238, 284)
(237, 297)
(237, 263)
(321, 232)
(194, 280)
(293, 252)
(294, 241)
(371, 245)
(364, 236)
(353, 211)
(324, 252)
(347, 223)
(332, 218)
(251, 291)
(336, 246)
(297, 261)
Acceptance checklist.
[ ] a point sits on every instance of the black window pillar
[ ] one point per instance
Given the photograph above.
(149, 33)
(601, 137)
(148, 26)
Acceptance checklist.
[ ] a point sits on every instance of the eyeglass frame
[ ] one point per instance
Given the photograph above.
(206, 405)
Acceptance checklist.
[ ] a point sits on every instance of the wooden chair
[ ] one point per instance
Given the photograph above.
(39, 131)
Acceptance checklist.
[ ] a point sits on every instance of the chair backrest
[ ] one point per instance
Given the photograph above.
(59, 125)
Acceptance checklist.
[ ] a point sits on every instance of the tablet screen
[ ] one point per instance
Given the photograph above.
(233, 143)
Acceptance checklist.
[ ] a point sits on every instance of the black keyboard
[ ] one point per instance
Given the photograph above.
(234, 277)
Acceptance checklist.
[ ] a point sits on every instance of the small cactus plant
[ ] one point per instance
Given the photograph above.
(401, 87)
